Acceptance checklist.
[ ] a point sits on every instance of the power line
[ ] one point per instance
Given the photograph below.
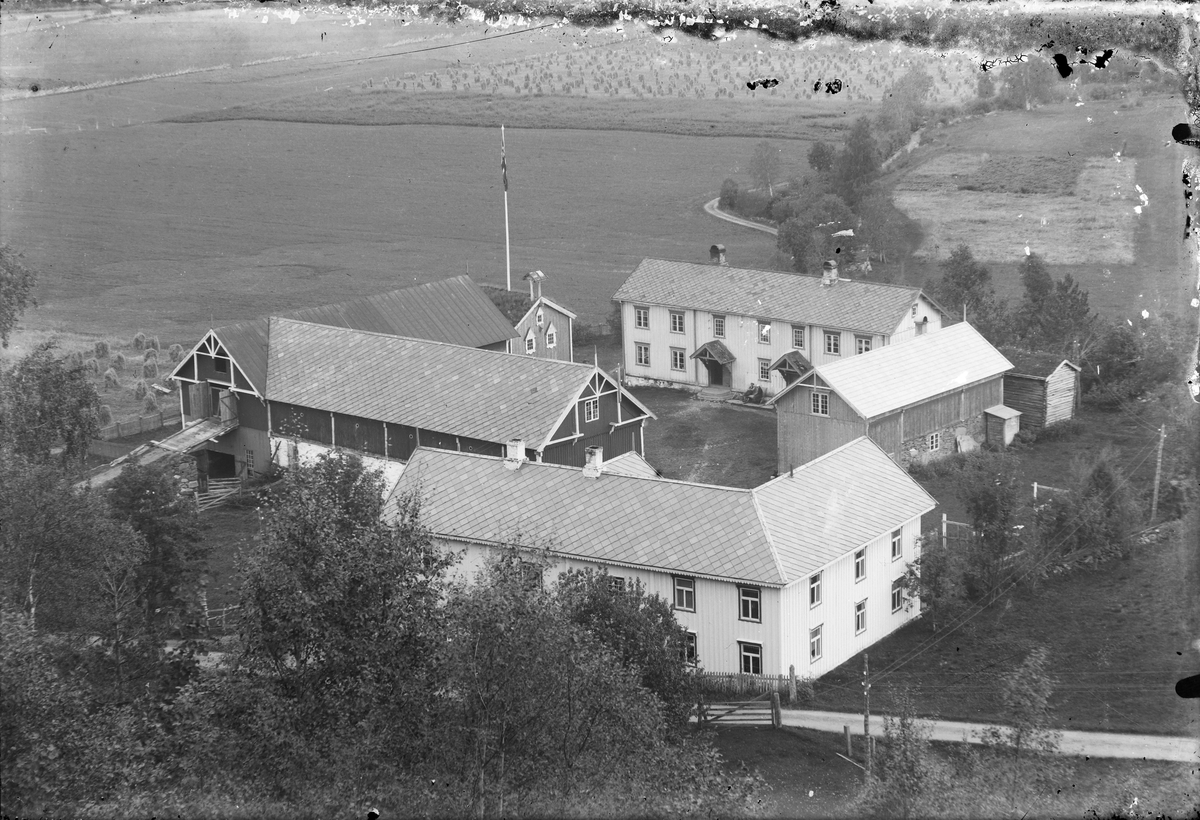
(441, 46)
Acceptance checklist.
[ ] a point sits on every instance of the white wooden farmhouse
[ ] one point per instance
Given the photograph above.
(695, 326)
(803, 570)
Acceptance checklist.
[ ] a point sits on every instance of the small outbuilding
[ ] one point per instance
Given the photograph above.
(1043, 386)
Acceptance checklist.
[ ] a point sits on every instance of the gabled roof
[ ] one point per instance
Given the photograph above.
(715, 351)
(898, 375)
(776, 534)
(869, 307)
(454, 310)
(837, 503)
(793, 361)
(1033, 363)
(631, 463)
(618, 519)
(450, 389)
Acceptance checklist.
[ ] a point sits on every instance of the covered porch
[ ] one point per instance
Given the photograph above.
(792, 366)
(717, 361)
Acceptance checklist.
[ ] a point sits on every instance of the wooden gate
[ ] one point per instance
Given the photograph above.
(763, 709)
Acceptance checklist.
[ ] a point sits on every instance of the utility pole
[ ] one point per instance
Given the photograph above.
(867, 709)
(1162, 437)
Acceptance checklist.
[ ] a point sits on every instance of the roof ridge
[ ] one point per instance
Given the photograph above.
(864, 282)
(816, 460)
(336, 328)
(762, 522)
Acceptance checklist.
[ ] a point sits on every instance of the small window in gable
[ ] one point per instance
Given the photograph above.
(530, 343)
(591, 410)
(541, 318)
(551, 337)
(220, 364)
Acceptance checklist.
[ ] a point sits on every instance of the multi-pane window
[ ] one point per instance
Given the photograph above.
(551, 338)
(897, 594)
(751, 658)
(249, 460)
(935, 441)
(814, 643)
(764, 370)
(860, 565)
(530, 343)
(814, 589)
(678, 358)
(750, 601)
(641, 317)
(860, 617)
(820, 403)
(689, 648)
(541, 318)
(676, 321)
(642, 353)
(764, 333)
(798, 337)
(616, 583)
(718, 326)
(685, 594)
(591, 410)
(862, 344)
(897, 544)
(833, 343)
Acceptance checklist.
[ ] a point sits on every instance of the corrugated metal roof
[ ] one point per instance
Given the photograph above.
(454, 310)
(837, 503)
(712, 531)
(631, 464)
(1033, 363)
(868, 307)
(907, 372)
(446, 388)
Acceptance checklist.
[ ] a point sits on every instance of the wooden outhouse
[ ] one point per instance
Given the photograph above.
(1001, 425)
(1043, 386)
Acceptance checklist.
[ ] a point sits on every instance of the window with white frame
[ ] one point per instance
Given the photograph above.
(833, 343)
(678, 358)
(718, 326)
(685, 594)
(897, 594)
(862, 344)
(764, 370)
(541, 318)
(814, 643)
(764, 332)
(530, 342)
(751, 658)
(897, 544)
(820, 403)
(616, 583)
(677, 321)
(689, 648)
(814, 589)
(860, 565)
(249, 460)
(641, 318)
(750, 602)
(935, 441)
(642, 353)
(551, 338)
(798, 337)
(591, 410)
(860, 617)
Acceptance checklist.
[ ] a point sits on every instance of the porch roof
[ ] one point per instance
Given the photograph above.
(714, 351)
(793, 360)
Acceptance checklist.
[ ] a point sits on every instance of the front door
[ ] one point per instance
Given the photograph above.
(716, 373)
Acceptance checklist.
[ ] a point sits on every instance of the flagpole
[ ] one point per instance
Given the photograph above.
(507, 251)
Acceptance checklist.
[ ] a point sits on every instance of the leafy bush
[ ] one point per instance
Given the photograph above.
(139, 341)
(101, 350)
(729, 195)
(754, 205)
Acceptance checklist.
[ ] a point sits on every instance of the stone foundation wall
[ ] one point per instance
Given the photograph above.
(642, 381)
(916, 450)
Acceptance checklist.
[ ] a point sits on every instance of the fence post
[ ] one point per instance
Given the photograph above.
(849, 747)
(1035, 491)
(792, 685)
(945, 539)
(776, 712)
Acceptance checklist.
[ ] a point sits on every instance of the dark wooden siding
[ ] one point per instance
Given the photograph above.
(1028, 395)
(251, 412)
(360, 434)
(887, 433)
(574, 453)
(301, 422)
(803, 436)
(500, 347)
(208, 372)
(487, 448)
(401, 441)
(443, 441)
(186, 393)
(945, 409)
(188, 370)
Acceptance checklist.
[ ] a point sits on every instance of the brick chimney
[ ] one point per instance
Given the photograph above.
(514, 454)
(716, 255)
(594, 464)
(829, 274)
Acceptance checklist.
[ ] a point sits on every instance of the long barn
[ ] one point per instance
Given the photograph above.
(919, 400)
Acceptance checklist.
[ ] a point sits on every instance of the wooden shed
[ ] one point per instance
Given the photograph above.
(1043, 386)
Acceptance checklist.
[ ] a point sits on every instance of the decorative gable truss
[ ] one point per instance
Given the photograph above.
(210, 361)
(601, 399)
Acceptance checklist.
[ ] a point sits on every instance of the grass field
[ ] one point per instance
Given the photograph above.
(796, 762)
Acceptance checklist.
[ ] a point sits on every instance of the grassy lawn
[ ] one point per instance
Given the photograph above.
(229, 532)
(794, 762)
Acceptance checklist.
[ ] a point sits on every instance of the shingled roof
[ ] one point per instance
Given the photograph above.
(868, 307)
(456, 311)
(453, 389)
(776, 534)
(1034, 363)
(901, 374)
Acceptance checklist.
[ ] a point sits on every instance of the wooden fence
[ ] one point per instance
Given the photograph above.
(141, 424)
(725, 685)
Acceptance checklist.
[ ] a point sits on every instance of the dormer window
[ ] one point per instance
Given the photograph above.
(551, 337)
(530, 343)
(541, 318)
